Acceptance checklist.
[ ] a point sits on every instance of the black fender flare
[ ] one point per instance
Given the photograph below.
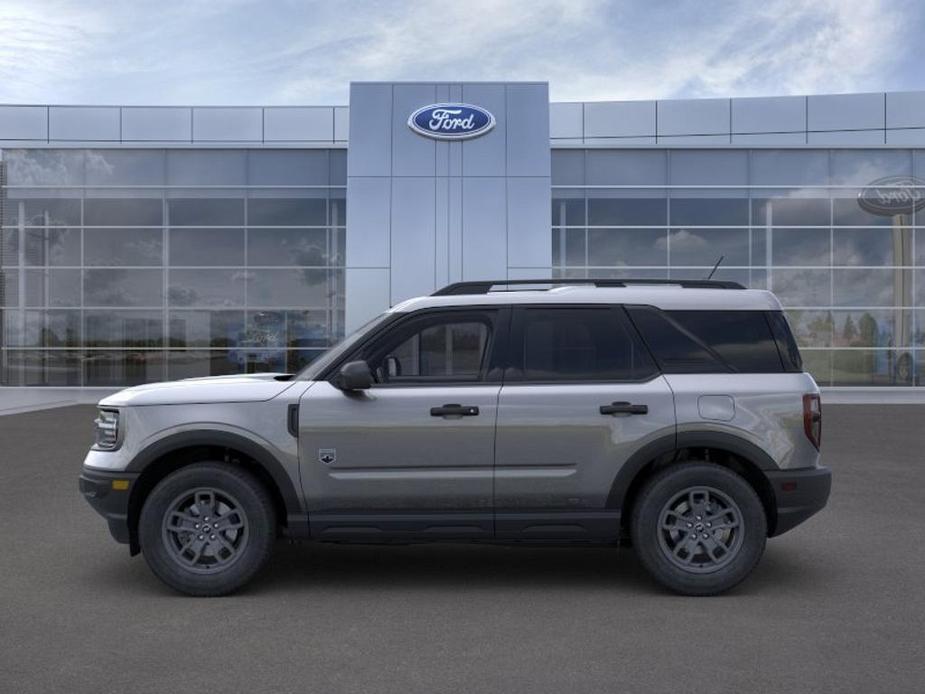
(296, 516)
(672, 443)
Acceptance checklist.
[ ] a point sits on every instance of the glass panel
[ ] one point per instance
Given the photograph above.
(215, 212)
(568, 211)
(43, 211)
(287, 247)
(308, 288)
(52, 329)
(621, 247)
(205, 328)
(873, 328)
(802, 287)
(709, 167)
(121, 287)
(787, 167)
(869, 287)
(806, 247)
(288, 329)
(123, 328)
(297, 359)
(847, 212)
(338, 167)
(288, 167)
(115, 368)
(607, 211)
(52, 246)
(863, 166)
(39, 368)
(197, 364)
(9, 288)
(568, 167)
(709, 211)
(791, 211)
(257, 361)
(811, 328)
(287, 212)
(9, 247)
(871, 247)
(705, 246)
(206, 167)
(207, 287)
(123, 247)
(125, 167)
(202, 247)
(626, 167)
(861, 367)
(52, 288)
(139, 212)
(45, 167)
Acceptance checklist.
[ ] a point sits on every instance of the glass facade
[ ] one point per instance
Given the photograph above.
(790, 220)
(124, 266)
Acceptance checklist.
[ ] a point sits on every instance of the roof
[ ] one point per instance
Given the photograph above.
(667, 296)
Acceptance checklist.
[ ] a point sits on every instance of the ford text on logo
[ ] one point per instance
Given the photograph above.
(893, 195)
(451, 121)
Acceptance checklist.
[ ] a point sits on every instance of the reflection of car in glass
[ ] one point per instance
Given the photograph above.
(675, 416)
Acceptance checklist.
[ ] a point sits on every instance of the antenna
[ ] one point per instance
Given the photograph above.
(710, 276)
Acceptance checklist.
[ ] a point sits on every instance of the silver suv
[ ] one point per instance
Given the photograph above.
(675, 416)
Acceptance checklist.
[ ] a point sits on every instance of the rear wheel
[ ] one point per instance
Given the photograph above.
(698, 528)
(207, 529)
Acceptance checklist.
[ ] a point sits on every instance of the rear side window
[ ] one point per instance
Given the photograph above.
(709, 341)
(577, 344)
(786, 344)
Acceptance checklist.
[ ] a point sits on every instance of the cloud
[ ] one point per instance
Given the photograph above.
(246, 52)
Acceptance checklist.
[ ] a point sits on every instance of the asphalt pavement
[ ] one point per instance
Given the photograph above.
(836, 605)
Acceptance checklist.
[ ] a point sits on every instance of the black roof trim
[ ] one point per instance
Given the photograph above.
(485, 286)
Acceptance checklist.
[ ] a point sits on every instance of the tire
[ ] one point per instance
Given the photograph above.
(179, 520)
(669, 528)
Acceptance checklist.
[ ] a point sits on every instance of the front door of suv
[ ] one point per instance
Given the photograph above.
(580, 396)
(414, 454)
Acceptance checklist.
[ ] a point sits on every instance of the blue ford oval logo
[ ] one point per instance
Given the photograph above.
(893, 195)
(451, 121)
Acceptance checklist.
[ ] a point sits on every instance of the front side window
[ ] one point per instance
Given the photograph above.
(433, 349)
(578, 344)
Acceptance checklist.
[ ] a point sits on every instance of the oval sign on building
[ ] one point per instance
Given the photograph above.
(893, 195)
(451, 121)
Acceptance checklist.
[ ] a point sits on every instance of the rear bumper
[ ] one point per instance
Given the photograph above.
(112, 504)
(799, 494)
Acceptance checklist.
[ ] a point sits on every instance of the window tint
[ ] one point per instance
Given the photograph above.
(709, 341)
(786, 344)
(583, 344)
(439, 350)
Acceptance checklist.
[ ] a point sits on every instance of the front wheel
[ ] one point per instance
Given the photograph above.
(207, 529)
(698, 528)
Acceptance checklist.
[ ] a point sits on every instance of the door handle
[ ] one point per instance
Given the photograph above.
(454, 410)
(624, 408)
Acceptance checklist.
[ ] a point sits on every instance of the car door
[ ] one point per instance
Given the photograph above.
(413, 455)
(580, 397)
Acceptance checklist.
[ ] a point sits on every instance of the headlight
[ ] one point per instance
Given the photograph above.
(107, 430)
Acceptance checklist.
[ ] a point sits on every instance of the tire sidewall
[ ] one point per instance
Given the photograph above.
(255, 504)
(645, 527)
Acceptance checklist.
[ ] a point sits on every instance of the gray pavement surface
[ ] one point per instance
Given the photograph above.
(837, 605)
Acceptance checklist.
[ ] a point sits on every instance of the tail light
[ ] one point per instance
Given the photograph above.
(812, 418)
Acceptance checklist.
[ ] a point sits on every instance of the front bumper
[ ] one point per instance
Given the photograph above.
(799, 494)
(109, 500)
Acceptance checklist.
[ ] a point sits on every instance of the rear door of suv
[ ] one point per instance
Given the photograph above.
(581, 395)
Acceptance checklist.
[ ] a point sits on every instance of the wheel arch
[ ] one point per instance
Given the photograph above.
(176, 451)
(728, 450)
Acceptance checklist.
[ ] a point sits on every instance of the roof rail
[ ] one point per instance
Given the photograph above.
(485, 286)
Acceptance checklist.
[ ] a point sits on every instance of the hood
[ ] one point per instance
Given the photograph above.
(191, 391)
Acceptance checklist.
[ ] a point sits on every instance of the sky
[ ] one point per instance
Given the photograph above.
(278, 52)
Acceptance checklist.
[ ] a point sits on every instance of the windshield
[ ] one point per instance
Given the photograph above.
(310, 372)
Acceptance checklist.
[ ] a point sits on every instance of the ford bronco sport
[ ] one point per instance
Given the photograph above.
(672, 415)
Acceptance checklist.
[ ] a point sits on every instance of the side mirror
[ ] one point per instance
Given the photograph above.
(354, 375)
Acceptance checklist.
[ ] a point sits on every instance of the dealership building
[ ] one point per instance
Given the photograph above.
(150, 243)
